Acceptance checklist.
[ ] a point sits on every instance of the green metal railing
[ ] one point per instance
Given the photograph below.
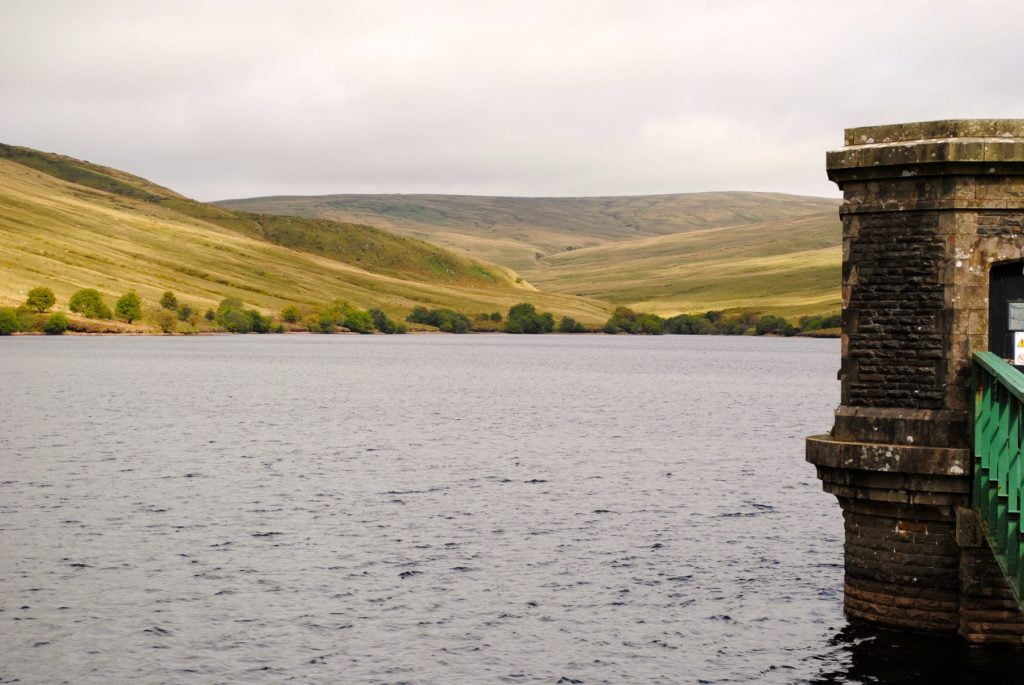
(998, 468)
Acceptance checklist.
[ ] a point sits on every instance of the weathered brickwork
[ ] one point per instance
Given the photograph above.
(894, 318)
(928, 209)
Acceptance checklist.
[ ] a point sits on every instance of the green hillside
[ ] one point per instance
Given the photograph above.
(788, 267)
(516, 231)
(660, 253)
(68, 224)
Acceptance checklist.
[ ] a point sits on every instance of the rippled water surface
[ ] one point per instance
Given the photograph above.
(426, 509)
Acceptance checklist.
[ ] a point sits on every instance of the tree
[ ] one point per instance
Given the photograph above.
(8, 321)
(40, 299)
(321, 323)
(235, 320)
(185, 312)
(524, 318)
(689, 324)
(232, 315)
(775, 325)
(622, 320)
(382, 322)
(570, 325)
(257, 322)
(210, 315)
(169, 301)
(89, 303)
(166, 321)
(56, 324)
(291, 314)
(359, 321)
(129, 307)
(444, 319)
(650, 324)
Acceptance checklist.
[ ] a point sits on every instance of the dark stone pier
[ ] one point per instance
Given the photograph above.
(928, 209)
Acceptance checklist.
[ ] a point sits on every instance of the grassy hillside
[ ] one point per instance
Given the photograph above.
(516, 231)
(789, 268)
(661, 253)
(68, 224)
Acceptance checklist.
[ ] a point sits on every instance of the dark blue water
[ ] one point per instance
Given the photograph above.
(428, 509)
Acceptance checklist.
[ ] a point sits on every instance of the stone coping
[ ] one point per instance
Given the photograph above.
(934, 130)
(824, 450)
(990, 155)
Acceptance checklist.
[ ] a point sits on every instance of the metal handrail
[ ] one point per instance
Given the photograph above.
(998, 465)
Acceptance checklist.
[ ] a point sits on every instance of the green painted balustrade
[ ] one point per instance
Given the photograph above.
(997, 469)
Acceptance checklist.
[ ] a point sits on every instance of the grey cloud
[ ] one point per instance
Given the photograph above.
(219, 99)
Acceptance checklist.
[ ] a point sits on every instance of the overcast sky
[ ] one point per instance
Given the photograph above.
(234, 99)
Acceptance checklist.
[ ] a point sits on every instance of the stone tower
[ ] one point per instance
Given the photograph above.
(928, 209)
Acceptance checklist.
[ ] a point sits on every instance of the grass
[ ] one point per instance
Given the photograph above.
(665, 254)
(130, 234)
(789, 268)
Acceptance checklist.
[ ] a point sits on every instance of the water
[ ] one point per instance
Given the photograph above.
(428, 509)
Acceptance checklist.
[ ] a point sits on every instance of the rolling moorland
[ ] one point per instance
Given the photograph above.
(67, 224)
(663, 254)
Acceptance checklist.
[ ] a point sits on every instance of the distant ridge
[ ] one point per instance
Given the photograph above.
(667, 254)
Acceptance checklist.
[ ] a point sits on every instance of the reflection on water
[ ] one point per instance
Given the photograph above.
(866, 654)
(428, 509)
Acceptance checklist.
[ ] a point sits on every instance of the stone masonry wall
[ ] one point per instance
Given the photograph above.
(928, 209)
(894, 319)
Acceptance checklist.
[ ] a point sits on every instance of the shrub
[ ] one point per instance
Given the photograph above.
(359, 321)
(8, 321)
(40, 299)
(650, 324)
(209, 315)
(169, 301)
(28, 319)
(524, 318)
(731, 327)
(257, 322)
(570, 325)
(232, 316)
(291, 314)
(322, 323)
(166, 321)
(235, 320)
(89, 303)
(688, 324)
(444, 319)
(382, 322)
(185, 312)
(816, 323)
(774, 325)
(625, 320)
(129, 307)
(56, 324)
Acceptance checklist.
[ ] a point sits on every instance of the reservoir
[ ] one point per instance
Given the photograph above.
(429, 509)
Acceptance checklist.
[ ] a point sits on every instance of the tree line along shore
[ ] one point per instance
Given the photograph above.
(87, 312)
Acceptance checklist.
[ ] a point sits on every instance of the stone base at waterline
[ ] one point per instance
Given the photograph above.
(914, 556)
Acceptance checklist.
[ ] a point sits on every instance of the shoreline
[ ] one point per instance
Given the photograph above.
(151, 334)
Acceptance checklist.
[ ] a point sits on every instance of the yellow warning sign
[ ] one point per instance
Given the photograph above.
(1018, 348)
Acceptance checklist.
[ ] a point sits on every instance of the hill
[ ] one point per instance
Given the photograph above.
(785, 267)
(666, 254)
(68, 224)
